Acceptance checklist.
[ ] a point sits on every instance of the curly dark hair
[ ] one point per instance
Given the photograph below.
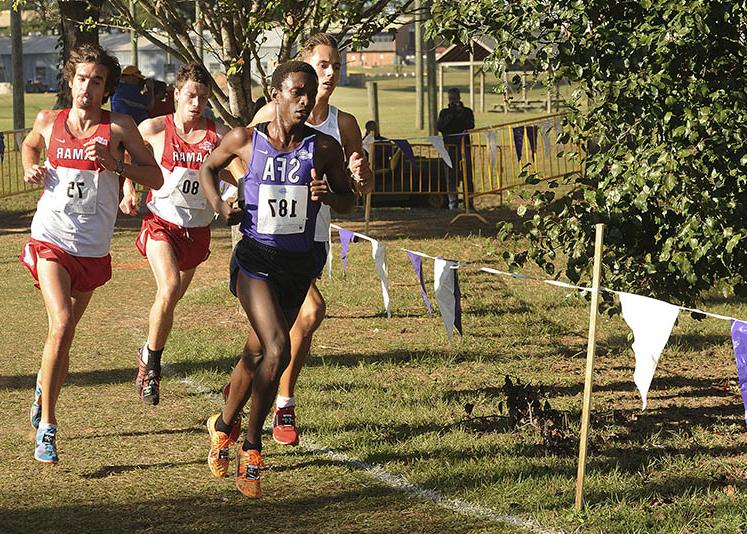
(92, 53)
(192, 72)
(285, 69)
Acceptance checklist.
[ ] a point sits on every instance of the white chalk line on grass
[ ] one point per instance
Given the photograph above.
(397, 482)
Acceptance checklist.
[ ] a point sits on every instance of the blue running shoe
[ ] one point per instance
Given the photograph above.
(36, 406)
(46, 444)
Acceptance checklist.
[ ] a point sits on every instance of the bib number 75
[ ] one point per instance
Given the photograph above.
(75, 189)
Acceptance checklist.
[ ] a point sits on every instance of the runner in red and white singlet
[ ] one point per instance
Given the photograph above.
(175, 234)
(71, 232)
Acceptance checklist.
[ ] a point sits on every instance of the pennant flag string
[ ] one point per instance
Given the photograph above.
(520, 276)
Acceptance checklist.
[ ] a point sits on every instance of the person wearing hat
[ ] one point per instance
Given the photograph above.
(129, 98)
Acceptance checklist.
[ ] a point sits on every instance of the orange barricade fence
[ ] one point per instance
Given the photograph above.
(11, 167)
(496, 158)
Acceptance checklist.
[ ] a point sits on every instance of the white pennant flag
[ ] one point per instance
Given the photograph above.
(368, 145)
(651, 321)
(378, 251)
(329, 253)
(444, 286)
(438, 144)
(492, 137)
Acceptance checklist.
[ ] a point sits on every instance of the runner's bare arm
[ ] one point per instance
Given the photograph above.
(330, 161)
(236, 144)
(32, 147)
(151, 130)
(350, 134)
(265, 114)
(226, 174)
(144, 169)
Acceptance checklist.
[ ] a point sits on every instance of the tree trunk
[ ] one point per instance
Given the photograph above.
(73, 33)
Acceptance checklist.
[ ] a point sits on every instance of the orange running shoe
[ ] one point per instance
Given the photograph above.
(220, 447)
(284, 426)
(247, 472)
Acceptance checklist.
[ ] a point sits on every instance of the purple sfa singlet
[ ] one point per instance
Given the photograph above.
(277, 198)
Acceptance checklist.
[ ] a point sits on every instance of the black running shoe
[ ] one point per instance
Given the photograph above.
(150, 394)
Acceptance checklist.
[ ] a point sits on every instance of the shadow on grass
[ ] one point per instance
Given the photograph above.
(110, 470)
(370, 508)
(136, 433)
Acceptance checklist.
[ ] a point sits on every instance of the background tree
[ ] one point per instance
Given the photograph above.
(236, 30)
(659, 112)
(78, 25)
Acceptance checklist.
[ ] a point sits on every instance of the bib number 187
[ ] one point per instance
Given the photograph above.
(279, 207)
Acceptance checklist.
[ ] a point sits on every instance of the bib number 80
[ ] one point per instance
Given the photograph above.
(190, 187)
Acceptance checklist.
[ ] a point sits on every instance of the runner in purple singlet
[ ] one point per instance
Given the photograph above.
(273, 264)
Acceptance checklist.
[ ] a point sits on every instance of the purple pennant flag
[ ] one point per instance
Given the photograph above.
(532, 135)
(739, 340)
(346, 237)
(417, 264)
(406, 148)
(519, 140)
(457, 304)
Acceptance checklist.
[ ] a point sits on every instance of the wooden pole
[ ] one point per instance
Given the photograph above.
(440, 86)
(367, 213)
(200, 24)
(472, 80)
(590, 349)
(419, 76)
(430, 70)
(482, 91)
(133, 38)
(16, 34)
(373, 101)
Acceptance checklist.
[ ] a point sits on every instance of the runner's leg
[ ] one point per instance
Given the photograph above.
(64, 310)
(271, 326)
(165, 269)
(310, 317)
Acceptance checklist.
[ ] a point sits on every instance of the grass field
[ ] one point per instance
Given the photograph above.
(390, 394)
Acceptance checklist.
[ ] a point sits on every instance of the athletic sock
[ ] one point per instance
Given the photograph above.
(153, 359)
(221, 426)
(246, 446)
(43, 427)
(284, 402)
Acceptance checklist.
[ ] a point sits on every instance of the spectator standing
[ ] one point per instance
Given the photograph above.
(129, 97)
(453, 123)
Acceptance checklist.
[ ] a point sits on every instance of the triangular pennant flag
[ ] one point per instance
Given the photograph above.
(346, 237)
(651, 321)
(227, 190)
(457, 303)
(368, 144)
(446, 297)
(739, 340)
(329, 253)
(545, 132)
(378, 251)
(406, 148)
(532, 136)
(438, 144)
(417, 264)
(558, 127)
(492, 138)
(518, 140)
